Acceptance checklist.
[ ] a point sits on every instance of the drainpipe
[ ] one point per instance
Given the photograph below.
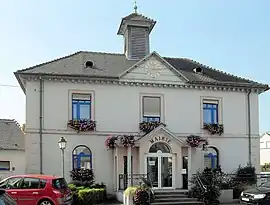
(249, 128)
(40, 123)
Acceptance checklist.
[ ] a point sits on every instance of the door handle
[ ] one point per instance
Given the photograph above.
(35, 192)
(13, 192)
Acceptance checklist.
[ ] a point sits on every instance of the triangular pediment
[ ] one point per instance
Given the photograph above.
(161, 134)
(153, 68)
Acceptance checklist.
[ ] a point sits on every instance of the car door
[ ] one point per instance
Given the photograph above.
(12, 186)
(31, 191)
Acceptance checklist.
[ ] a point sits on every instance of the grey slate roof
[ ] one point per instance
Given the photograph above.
(111, 65)
(11, 135)
(136, 17)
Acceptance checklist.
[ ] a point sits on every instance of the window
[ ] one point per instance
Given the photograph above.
(59, 183)
(211, 158)
(82, 157)
(4, 165)
(81, 106)
(262, 145)
(160, 146)
(11, 183)
(33, 183)
(210, 112)
(267, 144)
(151, 108)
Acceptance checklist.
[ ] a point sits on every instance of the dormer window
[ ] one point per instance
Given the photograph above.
(198, 70)
(89, 64)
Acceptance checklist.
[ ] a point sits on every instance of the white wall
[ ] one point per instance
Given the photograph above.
(17, 160)
(181, 107)
(265, 149)
(117, 109)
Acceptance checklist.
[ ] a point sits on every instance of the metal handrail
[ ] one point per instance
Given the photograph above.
(202, 186)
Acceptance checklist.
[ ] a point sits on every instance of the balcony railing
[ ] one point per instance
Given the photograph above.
(135, 180)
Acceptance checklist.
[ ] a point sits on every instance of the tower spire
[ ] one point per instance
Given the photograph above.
(135, 6)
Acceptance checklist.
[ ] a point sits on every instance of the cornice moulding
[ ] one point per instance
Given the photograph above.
(120, 82)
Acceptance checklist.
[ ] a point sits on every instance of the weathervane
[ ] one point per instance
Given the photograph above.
(135, 6)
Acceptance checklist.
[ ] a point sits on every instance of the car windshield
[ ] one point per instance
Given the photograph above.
(59, 183)
(266, 184)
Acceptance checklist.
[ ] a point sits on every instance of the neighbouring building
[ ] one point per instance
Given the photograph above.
(180, 115)
(265, 151)
(12, 150)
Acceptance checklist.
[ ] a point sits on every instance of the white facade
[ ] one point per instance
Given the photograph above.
(118, 109)
(265, 149)
(14, 160)
(120, 91)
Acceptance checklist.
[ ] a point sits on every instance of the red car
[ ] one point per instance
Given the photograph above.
(37, 190)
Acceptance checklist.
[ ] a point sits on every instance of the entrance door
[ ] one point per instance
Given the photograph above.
(185, 172)
(160, 168)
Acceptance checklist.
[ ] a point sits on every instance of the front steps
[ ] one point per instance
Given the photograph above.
(173, 197)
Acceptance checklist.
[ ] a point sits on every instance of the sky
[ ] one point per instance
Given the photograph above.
(233, 36)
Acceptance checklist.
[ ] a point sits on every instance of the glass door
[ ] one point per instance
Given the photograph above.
(166, 172)
(152, 170)
(160, 169)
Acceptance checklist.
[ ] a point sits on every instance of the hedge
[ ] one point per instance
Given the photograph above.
(87, 196)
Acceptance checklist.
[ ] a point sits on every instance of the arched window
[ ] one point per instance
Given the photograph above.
(211, 158)
(82, 157)
(160, 146)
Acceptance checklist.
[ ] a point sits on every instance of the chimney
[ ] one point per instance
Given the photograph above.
(136, 29)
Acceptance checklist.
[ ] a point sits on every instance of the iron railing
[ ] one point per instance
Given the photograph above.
(229, 180)
(135, 179)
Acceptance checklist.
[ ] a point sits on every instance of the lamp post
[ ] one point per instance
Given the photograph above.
(62, 145)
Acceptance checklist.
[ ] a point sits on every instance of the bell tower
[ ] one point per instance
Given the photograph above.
(136, 30)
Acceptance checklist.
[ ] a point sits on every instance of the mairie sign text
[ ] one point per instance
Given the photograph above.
(160, 139)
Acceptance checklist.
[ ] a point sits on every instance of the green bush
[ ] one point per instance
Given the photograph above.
(211, 179)
(88, 196)
(91, 196)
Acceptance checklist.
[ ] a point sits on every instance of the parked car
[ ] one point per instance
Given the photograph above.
(37, 190)
(5, 199)
(259, 195)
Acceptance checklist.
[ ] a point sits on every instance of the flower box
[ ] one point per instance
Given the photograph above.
(195, 141)
(82, 125)
(214, 128)
(149, 126)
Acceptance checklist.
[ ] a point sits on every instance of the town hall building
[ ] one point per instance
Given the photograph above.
(138, 114)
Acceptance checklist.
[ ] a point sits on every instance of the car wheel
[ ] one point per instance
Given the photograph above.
(46, 202)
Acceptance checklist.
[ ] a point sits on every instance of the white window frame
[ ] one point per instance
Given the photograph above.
(161, 96)
(87, 92)
(214, 100)
(267, 146)
(6, 170)
(264, 145)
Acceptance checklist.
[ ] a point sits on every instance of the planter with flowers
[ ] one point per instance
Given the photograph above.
(110, 142)
(149, 126)
(127, 140)
(82, 125)
(195, 141)
(214, 128)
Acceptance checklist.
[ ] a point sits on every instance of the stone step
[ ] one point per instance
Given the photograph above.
(178, 203)
(163, 192)
(170, 195)
(173, 199)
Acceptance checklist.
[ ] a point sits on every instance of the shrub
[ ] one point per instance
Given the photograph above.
(140, 194)
(211, 179)
(141, 197)
(82, 177)
(244, 177)
(130, 191)
(91, 196)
